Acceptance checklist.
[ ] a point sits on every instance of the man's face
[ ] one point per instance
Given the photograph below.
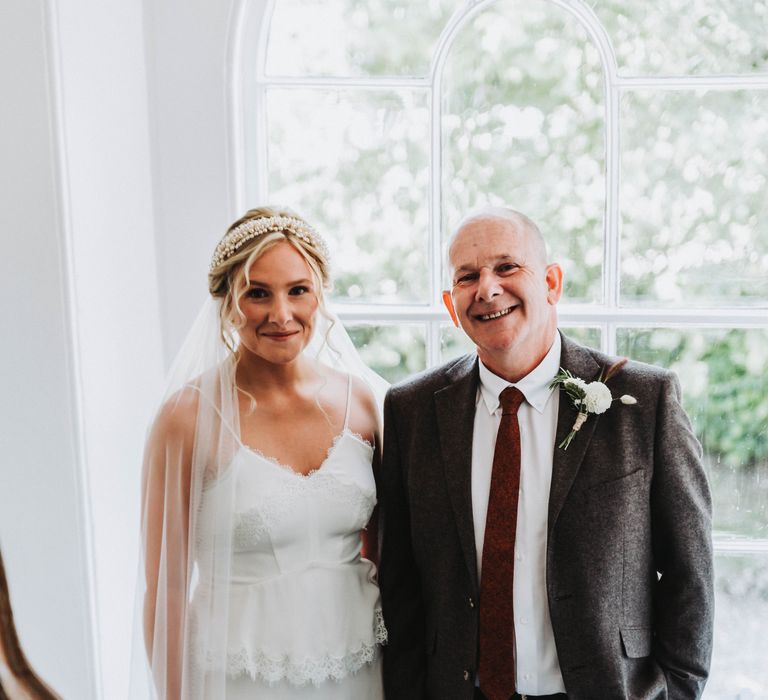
(503, 292)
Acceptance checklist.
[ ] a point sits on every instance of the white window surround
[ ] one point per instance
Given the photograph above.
(249, 83)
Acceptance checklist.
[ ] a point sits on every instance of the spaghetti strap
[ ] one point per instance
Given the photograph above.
(349, 400)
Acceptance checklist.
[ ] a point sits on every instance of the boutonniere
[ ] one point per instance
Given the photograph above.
(588, 397)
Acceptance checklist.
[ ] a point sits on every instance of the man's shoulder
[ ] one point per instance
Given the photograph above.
(431, 380)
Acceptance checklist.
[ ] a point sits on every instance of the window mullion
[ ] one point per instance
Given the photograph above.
(612, 242)
(577, 314)
(695, 82)
(340, 82)
(435, 212)
(728, 544)
(262, 141)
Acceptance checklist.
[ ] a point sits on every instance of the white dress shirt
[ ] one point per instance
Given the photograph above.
(538, 670)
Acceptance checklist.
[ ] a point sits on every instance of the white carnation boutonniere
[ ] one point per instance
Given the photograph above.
(589, 397)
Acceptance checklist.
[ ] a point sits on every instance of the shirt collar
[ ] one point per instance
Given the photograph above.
(534, 385)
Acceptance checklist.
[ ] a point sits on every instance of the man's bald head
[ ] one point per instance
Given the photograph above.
(518, 220)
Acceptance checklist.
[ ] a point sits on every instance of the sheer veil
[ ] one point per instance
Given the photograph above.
(187, 522)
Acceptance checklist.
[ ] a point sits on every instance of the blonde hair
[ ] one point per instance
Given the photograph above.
(228, 280)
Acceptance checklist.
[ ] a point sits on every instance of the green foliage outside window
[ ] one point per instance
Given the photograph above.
(725, 384)
(523, 123)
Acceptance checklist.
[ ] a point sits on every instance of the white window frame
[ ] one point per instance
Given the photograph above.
(250, 155)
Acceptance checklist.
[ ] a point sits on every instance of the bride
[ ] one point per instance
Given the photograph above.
(257, 484)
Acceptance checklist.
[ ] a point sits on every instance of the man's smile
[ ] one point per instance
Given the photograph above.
(495, 314)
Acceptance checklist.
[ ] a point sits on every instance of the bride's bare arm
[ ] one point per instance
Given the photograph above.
(370, 534)
(366, 423)
(165, 534)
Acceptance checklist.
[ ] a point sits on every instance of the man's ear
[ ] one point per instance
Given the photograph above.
(554, 279)
(448, 301)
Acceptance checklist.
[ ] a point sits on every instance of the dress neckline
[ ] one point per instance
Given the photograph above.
(307, 475)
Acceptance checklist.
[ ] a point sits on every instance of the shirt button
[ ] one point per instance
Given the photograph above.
(471, 602)
(466, 675)
(524, 621)
(518, 557)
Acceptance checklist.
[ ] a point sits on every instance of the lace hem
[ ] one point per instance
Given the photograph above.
(257, 664)
(379, 628)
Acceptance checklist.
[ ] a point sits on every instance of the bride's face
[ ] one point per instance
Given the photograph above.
(279, 305)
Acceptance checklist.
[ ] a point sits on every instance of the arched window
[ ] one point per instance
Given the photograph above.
(634, 133)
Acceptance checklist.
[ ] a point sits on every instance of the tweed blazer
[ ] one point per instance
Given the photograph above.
(629, 574)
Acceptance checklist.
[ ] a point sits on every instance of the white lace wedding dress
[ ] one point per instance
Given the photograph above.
(304, 618)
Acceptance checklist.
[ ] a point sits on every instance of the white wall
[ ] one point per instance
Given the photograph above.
(192, 59)
(83, 350)
(187, 53)
(105, 134)
(43, 518)
(116, 172)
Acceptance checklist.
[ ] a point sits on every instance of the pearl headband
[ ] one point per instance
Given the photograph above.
(254, 228)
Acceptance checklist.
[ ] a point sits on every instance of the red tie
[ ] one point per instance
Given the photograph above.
(497, 622)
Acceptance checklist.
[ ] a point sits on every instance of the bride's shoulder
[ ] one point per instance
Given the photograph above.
(364, 411)
(177, 416)
(180, 410)
(363, 396)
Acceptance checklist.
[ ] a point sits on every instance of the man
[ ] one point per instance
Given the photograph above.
(512, 567)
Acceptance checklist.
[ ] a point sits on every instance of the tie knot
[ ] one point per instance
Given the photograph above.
(510, 400)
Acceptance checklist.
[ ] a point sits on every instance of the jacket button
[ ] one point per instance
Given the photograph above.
(471, 602)
(466, 675)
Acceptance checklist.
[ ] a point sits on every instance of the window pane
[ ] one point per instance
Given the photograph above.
(687, 36)
(350, 38)
(454, 342)
(695, 214)
(741, 609)
(394, 351)
(523, 125)
(725, 391)
(354, 162)
(586, 335)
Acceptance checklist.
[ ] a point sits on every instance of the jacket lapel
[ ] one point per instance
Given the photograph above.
(455, 409)
(566, 463)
